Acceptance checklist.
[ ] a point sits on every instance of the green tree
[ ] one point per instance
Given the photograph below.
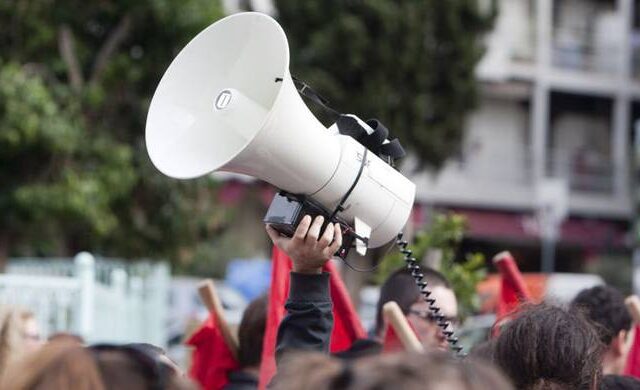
(409, 63)
(51, 178)
(76, 78)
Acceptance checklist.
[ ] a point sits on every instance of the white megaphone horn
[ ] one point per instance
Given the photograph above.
(227, 103)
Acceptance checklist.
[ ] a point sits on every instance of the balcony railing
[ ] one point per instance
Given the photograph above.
(576, 49)
(585, 171)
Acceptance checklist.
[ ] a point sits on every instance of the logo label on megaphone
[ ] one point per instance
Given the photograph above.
(223, 99)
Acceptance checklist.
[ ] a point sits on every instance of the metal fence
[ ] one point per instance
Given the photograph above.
(103, 300)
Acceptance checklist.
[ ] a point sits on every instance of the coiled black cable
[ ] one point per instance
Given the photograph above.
(416, 273)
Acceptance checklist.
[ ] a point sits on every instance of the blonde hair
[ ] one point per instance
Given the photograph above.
(58, 365)
(12, 328)
(65, 364)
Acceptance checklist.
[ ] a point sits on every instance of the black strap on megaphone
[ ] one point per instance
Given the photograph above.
(376, 141)
(305, 90)
(348, 125)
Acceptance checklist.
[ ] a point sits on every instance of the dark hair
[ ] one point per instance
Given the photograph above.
(401, 288)
(604, 306)
(135, 367)
(549, 347)
(157, 353)
(314, 371)
(152, 350)
(483, 351)
(251, 332)
(619, 382)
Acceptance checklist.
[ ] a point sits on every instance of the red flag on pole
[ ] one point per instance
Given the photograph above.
(633, 359)
(346, 324)
(212, 358)
(391, 342)
(399, 334)
(347, 327)
(513, 290)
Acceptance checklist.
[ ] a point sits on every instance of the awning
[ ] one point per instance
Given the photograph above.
(587, 232)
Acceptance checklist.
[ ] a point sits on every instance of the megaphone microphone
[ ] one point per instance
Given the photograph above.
(228, 103)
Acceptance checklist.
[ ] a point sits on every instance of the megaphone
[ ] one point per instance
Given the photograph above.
(228, 103)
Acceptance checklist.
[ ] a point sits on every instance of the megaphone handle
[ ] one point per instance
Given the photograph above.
(287, 210)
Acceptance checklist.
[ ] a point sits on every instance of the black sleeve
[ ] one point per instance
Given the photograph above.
(309, 320)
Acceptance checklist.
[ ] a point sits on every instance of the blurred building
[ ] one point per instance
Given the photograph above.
(559, 96)
(560, 93)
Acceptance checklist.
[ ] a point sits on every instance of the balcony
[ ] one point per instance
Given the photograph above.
(506, 181)
(586, 171)
(587, 36)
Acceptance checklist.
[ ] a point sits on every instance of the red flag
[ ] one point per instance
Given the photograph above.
(347, 327)
(513, 289)
(633, 359)
(397, 325)
(391, 342)
(212, 358)
(346, 323)
(278, 292)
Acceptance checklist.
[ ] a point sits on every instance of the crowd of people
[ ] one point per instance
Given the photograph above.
(541, 346)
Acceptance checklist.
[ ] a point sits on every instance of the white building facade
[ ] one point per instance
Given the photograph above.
(560, 87)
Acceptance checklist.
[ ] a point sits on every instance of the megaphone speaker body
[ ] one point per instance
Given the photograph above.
(228, 103)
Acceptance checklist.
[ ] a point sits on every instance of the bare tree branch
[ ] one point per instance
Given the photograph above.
(115, 38)
(66, 46)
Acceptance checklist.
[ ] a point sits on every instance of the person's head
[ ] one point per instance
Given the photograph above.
(159, 354)
(66, 336)
(604, 307)
(66, 365)
(619, 382)
(19, 334)
(432, 371)
(547, 347)
(251, 333)
(58, 365)
(401, 288)
(483, 351)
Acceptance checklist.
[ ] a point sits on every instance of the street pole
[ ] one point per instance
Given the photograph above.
(548, 254)
(552, 209)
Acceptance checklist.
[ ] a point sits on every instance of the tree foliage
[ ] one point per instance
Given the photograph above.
(76, 78)
(409, 63)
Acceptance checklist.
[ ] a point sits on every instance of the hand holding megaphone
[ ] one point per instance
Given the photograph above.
(228, 103)
(311, 246)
